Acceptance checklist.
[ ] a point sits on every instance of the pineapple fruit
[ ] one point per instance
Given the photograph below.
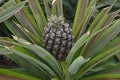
(58, 38)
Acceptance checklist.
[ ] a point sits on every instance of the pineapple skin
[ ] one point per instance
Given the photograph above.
(58, 39)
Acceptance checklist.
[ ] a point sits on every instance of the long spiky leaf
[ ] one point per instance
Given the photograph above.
(96, 60)
(5, 14)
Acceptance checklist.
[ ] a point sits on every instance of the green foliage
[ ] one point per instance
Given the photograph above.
(17, 75)
(103, 3)
(91, 57)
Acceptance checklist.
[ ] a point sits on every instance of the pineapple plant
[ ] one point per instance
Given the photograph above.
(48, 48)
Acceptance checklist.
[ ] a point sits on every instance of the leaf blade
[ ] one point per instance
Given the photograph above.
(7, 13)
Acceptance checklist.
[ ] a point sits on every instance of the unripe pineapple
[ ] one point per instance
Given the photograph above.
(58, 38)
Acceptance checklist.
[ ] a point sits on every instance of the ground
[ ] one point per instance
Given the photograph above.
(5, 77)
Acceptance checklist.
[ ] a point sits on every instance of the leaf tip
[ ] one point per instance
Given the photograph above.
(53, 2)
(15, 37)
(88, 33)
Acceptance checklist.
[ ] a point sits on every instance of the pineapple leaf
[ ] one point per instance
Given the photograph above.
(44, 56)
(76, 64)
(17, 75)
(82, 26)
(31, 67)
(76, 46)
(85, 38)
(86, 19)
(8, 4)
(96, 60)
(100, 16)
(57, 8)
(88, 49)
(29, 26)
(29, 36)
(82, 4)
(111, 33)
(114, 76)
(111, 44)
(30, 22)
(31, 58)
(7, 13)
(98, 19)
(24, 19)
(38, 13)
(25, 32)
(13, 28)
(110, 68)
(47, 9)
(66, 71)
(4, 51)
(34, 61)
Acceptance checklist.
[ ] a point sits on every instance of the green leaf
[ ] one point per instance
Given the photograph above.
(82, 5)
(28, 62)
(24, 62)
(38, 13)
(26, 22)
(76, 64)
(8, 4)
(4, 51)
(66, 71)
(13, 28)
(111, 44)
(47, 9)
(17, 75)
(44, 55)
(29, 29)
(105, 68)
(57, 8)
(25, 32)
(110, 68)
(98, 22)
(7, 13)
(31, 67)
(82, 25)
(100, 40)
(108, 35)
(98, 19)
(88, 14)
(85, 38)
(34, 62)
(114, 76)
(76, 46)
(96, 60)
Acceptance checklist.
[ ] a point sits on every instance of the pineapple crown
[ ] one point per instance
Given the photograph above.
(54, 20)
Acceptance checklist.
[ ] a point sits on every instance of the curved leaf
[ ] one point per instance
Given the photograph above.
(46, 57)
(96, 60)
(17, 75)
(76, 64)
(115, 76)
(7, 13)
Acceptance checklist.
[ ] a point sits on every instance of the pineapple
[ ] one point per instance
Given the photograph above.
(58, 38)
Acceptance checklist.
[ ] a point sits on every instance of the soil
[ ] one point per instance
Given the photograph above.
(5, 77)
